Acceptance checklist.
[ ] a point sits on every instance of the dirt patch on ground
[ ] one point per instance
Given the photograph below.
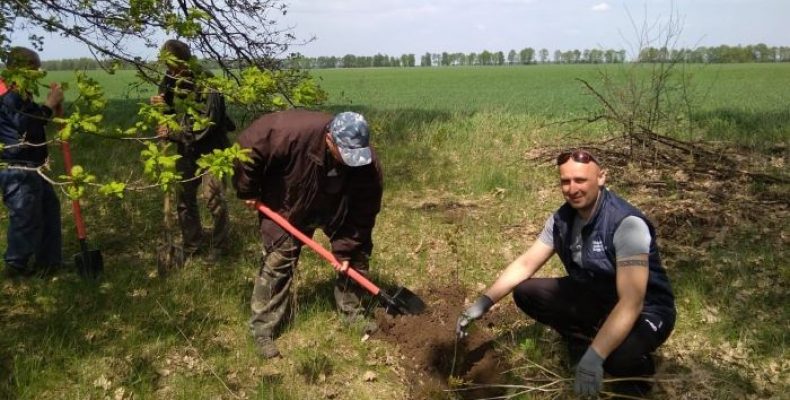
(437, 365)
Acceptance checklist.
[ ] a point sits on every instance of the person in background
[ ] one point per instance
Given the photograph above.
(317, 171)
(615, 306)
(34, 230)
(179, 85)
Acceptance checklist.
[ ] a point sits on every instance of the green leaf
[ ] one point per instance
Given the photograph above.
(160, 167)
(221, 162)
(79, 180)
(113, 189)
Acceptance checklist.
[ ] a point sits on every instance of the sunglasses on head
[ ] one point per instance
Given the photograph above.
(580, 156)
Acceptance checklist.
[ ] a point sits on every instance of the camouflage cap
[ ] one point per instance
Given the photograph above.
(351, 136)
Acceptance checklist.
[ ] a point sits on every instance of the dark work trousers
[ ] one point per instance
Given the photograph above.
(33, 219)
(577, 314)
(270, 303)
(187, 207)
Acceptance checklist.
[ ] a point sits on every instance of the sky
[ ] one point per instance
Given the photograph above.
(395, 27)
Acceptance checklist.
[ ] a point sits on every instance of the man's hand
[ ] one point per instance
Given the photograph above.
(475, 311)
(162, 131)
(343, 267)
(589, 374)
(157, 100)
(55, 97)
(251, 204)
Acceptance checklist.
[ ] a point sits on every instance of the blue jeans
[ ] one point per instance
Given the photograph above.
(33, 219)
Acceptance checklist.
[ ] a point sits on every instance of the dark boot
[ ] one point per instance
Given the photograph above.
(643, 368)
(16, 271)
(47, 270)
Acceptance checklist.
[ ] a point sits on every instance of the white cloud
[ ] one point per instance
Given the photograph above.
(601, 7)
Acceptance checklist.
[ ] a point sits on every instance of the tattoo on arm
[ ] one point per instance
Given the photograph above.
(632, 262)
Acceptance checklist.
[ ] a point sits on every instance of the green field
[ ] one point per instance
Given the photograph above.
(546, 90)
(744, 102)
(464, 195)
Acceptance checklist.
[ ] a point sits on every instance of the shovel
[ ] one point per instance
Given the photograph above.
(89, 263)
(404, 301)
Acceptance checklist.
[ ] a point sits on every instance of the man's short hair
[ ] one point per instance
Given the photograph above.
(22, 57)
(178, 49)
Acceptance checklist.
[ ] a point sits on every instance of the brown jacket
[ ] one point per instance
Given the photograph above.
(293, 173)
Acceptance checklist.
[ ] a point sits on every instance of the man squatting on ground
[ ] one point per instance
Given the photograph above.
(616, 305)
(317, 172)
(33, 206)
(178, 84)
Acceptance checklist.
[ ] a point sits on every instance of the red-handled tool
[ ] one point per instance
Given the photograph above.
(403, 301)
(89, 263)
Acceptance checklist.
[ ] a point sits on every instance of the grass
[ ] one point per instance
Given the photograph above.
(461, 201)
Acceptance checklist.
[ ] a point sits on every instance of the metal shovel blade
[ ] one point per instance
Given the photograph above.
(404, 301)
(89, 264)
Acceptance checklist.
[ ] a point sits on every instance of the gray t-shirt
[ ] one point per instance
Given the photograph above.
(632, 237)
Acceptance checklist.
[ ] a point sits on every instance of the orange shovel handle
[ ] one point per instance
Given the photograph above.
(326, 254)
(75, 204)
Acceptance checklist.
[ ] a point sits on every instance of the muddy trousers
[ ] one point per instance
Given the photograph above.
(271, 304)
(187, 208)
(576, 314)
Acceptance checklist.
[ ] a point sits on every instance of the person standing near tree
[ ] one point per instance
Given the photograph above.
(317, 171)
(616, 305)
(179, 91)
(34, 229)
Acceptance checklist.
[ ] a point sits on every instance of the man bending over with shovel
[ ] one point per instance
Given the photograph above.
(616, 305)
(317, 171)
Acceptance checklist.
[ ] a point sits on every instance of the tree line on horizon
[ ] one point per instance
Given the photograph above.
(760, 53)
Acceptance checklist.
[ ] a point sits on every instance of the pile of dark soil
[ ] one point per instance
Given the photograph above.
(437, 366)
